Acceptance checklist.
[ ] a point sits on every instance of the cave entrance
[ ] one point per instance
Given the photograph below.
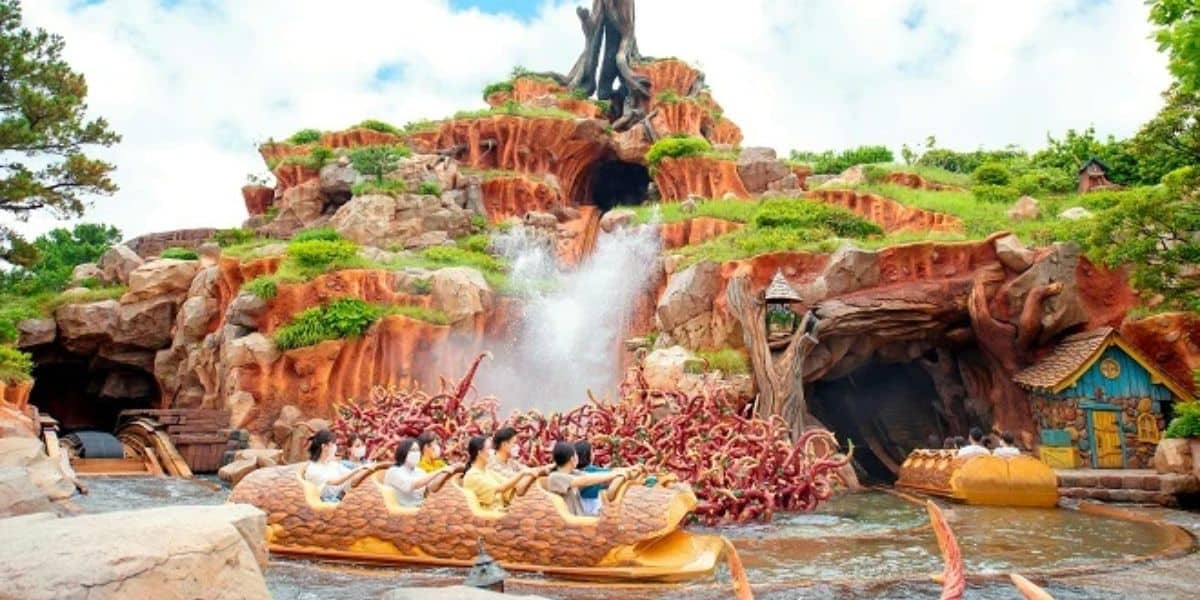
(83, 398)
(887, 410)
(614, 183)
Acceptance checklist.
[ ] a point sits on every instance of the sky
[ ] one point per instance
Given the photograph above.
(194, 85)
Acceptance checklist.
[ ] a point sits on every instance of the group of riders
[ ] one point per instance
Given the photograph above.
(493, 472)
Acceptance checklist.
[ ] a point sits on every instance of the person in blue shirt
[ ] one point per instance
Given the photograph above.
(590, 495)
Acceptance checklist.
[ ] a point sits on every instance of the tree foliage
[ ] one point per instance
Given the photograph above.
(44, 130)
(1178, 35)
(377, 161)
(836, 162)
(58, 252)
(1076, 147)
(1172, 138)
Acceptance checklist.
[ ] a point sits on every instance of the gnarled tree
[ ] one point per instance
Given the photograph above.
(609, 26)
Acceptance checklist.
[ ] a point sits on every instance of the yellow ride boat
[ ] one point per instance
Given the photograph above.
(984, 480)
(638, 536)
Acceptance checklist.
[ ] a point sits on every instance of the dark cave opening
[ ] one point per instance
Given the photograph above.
(887, 410)
(83, 398)
(614, 183)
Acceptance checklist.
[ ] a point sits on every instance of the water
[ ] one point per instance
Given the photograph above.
(869, 545)
(569, 338)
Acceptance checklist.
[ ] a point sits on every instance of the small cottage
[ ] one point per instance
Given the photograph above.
(1093, 175)
(1099, 403)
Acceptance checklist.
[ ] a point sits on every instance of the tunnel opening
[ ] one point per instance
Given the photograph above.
(886, 409)
(612, 183)
(83, 397)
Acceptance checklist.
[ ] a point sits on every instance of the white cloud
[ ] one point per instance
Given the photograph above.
(192, 87)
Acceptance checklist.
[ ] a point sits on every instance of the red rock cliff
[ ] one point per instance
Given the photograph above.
(706, 177)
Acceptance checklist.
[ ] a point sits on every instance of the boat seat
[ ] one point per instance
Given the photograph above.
(390, 500)
(560, 504)
(312, 493)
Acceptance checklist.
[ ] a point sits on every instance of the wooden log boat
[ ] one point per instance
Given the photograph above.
(637, 537)
(983, 480)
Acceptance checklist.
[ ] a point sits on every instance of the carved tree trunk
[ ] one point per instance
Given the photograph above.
(611, 24)
(780, 381)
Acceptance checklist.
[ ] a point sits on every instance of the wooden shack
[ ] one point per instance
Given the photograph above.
(1093, 175)
(1099, 403)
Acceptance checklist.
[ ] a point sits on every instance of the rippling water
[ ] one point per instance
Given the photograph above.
(870, 545)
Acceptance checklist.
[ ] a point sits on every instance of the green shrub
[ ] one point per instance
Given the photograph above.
(876, 173)
(91, 283)
(14, 364)
(1044, 181)
(475, 243)
(376, 161)
(479, 223)
(13, 311)
(319, 155)
(421, 287)
(429, 188)
(676, 147)
(831, 162)
(499, 86)
(803, 214)
(320, 254)
(270, 214)
(265, 287)
(668, 97)
(452, 256)
(339, 319)
(726, 360)
(328, 234)
(992, 173)
(232, 237)
(380, 126)
(179, 254)
(1186, 423)
(305, 136)
(967, 162)
(995, 194)
(387, 187)
(753, 242)
(420, 313)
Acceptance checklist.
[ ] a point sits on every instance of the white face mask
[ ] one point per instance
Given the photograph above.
(332, 449)
(358, 452)
(412, 459)
(490, 452)
(514, 451)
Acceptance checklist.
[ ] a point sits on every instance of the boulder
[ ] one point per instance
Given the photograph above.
(690, 205)
(83, 327)
(1061, 311)
(689, 293)
(410, 279)
(126, 385)
(427, 239)
(1075, 213)
(240, 404)
(30, 454)
(211, 552)
(372, 221)
(249, 350)
(194, 316)
(788, 183)
(86, 272)
(233, 472)
(245, 310)
(209, 253)
(206, 283)
(145, 324)
(118, 262)
(378, 255)
(1024, 209)
(474, 201)
(849, 178)
(18, 494)
(338, 178)
(616, 219)
(665, 367)
(35, 332)
(759, 168)
(542, 220)
(1173, 456)
(460, 292)
(454, 592)
(111, 355)
(162, 277)
(850, 269)
(1013, 254)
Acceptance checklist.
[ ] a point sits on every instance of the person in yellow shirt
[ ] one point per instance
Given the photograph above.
(431, 452)
(493, 490)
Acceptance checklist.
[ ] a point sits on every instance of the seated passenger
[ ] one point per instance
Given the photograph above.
(504, 460)
(356, 453)
(975, 447)
(493, 490)
(1008, 446)
(406, 478)
(590, 495)
(431, 452)
(326, 472)
(564, 482)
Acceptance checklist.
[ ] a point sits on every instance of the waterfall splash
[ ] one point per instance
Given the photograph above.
(568, 341)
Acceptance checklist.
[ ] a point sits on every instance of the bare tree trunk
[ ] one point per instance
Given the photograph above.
(780, 381)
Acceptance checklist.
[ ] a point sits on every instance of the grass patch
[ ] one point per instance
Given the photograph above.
(263, 286)
(429, 188)
(327, 234)
(179, 254)
(14, 365)
(934, 174)
(676, 147)
(802, 214)
(305, 136)
(420, 126)
(726, 360)
(316, 158)
(753, 242)
(515, 109)
(343, 319)
(738, 211)
(227, 238)
(243, 250)
(497, 86)
(380, 126)
(387, 187)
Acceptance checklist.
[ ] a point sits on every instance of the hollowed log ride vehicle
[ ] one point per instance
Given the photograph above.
(983, 480)
(638, 536)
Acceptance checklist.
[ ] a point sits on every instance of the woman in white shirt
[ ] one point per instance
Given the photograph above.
(326, 472)
(1008, 446)
(409, 481)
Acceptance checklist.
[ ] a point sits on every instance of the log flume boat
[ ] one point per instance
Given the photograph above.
(637, 537)
(983, 480)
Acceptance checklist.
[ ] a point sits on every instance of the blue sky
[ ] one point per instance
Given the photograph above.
(194, 85)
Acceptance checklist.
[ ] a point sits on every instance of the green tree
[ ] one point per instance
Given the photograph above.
(376, 160)
(44, 130)
(1076, 147)
(1172, 138)
(58, 252)
(1178, 35)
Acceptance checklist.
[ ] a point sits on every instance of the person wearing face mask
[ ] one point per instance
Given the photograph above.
(357, 451)
(409, 481)
(566, 481)
(431, 452)
(493, 490)
(326, 472)
(505, 460)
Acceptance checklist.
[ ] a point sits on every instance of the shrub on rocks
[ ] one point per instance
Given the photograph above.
(991, 173)
(14, 364)
(177, 254)
(344, 318)
(676, 147)
(305, 136)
